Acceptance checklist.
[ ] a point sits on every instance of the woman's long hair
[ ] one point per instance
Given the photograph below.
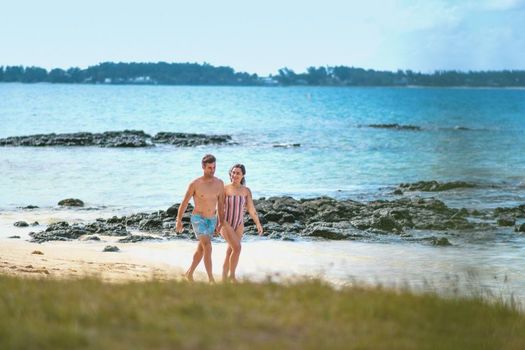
(243, 170)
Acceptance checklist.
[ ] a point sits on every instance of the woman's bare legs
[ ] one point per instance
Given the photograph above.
(236, 252)
(226, 265)
(232, 253)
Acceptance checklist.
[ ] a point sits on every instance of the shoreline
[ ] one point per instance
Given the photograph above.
(278, 86)
(447, 272)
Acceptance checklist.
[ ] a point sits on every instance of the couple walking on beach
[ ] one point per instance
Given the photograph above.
(218, 208)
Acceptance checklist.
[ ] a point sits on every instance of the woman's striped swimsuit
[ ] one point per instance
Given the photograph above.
(234, 210)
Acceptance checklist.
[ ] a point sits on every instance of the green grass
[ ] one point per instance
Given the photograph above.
(87, 313)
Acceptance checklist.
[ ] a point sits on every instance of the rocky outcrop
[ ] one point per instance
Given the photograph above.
(395, 127)
(190, 140)
(21, 224)
(111, 248)
(126, 138)
(434, 186)
(71, 202)
(347, 219)
(122, 139)
(62, 231)
(322, 217)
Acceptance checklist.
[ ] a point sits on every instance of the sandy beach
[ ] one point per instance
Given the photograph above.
(71, 259)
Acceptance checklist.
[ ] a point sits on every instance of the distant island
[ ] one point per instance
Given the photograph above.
(163, 73)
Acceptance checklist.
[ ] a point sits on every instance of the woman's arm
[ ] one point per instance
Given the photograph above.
(253, 213)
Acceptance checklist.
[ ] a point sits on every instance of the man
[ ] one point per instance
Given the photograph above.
(207, 192)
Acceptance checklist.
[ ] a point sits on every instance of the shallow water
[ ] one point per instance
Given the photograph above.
(337, 157)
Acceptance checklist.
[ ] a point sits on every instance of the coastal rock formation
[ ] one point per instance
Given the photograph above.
(71, 202)
(322, 217)
(506, 221)
(187, 140)
(125, 139)
(21, 224)
(395, 127)
(111, 248)
(29, 207)
(434, 186)
(62, 231)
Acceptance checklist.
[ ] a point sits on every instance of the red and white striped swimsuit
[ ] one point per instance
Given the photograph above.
(234, 210)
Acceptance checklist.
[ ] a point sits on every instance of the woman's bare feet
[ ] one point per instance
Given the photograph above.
(188, 276)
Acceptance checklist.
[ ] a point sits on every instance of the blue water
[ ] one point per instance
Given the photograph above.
(337, 157)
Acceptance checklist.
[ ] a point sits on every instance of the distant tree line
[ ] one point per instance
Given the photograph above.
(132, 73)
(350, 76)
(205, 74)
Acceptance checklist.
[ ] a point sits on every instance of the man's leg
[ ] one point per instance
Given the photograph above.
(206, 246)
(197, 257)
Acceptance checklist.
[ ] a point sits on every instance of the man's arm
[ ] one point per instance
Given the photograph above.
(182, 207)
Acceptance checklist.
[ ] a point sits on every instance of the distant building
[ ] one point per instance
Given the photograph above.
(270, 81)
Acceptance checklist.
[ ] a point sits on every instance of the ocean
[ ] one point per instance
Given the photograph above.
(473, 135)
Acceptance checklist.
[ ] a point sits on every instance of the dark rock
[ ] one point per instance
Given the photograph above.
(37, 252)
(35, 223)
(174, 210)
(150, 224)
(434, 186)
(506, 221)
(185, 140)
(398, 192)
(273, 216)
(520, 228)
(13, 237)
(92, 238)
(517, 212)
(21, 224)
(126, 138)
(136, 238)
(168, 225)
(386, 223)
(395, 127)
(30, 207)
(62, 231)
(442, 241)
(71, 202)
(111, 248)
(115, 220)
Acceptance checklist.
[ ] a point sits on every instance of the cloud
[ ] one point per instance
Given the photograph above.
(503, 5)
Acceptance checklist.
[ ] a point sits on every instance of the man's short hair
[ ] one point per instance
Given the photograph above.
(208, 159)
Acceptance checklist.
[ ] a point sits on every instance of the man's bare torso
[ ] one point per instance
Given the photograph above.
(206, 195)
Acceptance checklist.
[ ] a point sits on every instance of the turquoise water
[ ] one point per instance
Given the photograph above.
(337, 157)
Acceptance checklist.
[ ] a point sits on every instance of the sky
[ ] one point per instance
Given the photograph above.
(264, 36)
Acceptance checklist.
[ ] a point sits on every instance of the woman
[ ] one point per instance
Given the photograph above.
(237, 198)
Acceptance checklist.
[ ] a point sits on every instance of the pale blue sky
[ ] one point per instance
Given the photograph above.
(263, 36)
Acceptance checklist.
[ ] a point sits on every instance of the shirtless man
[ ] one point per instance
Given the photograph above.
(207, 192)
